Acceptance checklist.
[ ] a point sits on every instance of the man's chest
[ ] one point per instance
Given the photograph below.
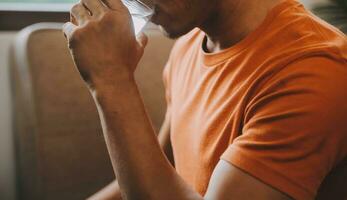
(207, 111)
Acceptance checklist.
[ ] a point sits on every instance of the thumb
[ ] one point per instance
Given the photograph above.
(142, 39)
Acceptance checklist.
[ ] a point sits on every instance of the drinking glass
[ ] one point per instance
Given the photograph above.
(140, 12)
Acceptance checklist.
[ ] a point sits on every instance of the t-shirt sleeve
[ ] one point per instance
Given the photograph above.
(294, 129)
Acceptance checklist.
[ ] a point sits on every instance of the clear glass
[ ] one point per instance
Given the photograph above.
(140, 12)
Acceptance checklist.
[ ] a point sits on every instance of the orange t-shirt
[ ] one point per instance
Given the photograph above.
(273, 105)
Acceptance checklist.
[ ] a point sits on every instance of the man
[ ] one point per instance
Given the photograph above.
(256, 95)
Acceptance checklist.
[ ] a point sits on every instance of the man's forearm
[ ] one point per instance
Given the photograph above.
(112, 190)
(142, 170)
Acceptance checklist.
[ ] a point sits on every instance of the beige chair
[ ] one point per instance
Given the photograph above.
(61, 152)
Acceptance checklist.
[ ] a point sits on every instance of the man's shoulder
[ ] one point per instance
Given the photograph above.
(306, 32)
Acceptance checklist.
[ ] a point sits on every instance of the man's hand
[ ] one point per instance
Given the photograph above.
(102, 41)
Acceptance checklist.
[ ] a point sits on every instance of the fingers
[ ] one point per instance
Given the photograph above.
(68, 30)
(142, 39)
(115, 4)
(73, 19)
(95, 7)
(87, 9)
(79, 14)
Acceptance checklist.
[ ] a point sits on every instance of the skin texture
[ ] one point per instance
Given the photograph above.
(112, 191)
(106, 52)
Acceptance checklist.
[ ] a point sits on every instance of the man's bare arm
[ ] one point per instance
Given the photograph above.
(112, 191)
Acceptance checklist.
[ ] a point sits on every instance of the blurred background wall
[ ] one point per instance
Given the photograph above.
(7, 167)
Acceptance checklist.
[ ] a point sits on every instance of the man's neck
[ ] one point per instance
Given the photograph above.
(233, 21)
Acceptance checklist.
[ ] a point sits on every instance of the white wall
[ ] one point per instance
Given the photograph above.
(7, 180)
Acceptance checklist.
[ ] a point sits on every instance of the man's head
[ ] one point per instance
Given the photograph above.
(178, 17)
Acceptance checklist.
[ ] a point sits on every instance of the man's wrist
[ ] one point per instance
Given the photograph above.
(105, 73)
(115, 89)
(110, 78)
